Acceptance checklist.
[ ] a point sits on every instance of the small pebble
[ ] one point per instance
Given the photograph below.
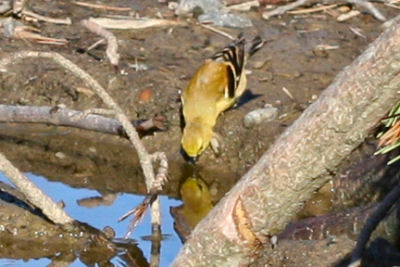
(257, 116)
(343, 9)
(348, 15)
(215, 145)
(146, 95)
(213, 189)
(172, 5)
(60, 155)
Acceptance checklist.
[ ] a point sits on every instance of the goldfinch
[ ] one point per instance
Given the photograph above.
(215, 87)
(196, 200)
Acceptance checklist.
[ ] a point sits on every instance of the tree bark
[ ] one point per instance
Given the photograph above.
(305, 157)
(73, 118)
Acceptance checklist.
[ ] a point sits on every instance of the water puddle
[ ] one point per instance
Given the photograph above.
(102, 216)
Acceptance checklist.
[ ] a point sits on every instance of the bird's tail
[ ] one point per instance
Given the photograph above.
(235, 51)
(234, 54)
(256, 45)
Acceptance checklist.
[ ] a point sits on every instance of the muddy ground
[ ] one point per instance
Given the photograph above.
(290, 59)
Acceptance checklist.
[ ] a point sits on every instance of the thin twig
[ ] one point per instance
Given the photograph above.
(112, 8)
(213, 29)
(93, 46)
(312, 10)
(161, 176)
(288, 93)
(348, 15)
(134, 24)
(370, 7)
(245, 6)
(36, 196)
(15, 29)
(28, 13)
(155, 246)
(112, 44)
(139, 211)
(392, 5)
(283, 9)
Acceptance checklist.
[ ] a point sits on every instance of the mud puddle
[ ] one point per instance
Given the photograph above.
(104, 213)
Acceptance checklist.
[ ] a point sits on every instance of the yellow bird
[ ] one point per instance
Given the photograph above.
(215, 87)
(196, 200)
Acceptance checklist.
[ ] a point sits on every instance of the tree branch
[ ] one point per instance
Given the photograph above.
(34, 194)
(72, 118)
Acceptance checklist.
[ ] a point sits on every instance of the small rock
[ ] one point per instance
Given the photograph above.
(348, 15)
(257, 116)
(343, 9)
(60, 155)
(172, 5)
(146, 95)
(213, 189)
(215, 145)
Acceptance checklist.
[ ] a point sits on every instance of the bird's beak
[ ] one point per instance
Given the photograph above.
(192, 160)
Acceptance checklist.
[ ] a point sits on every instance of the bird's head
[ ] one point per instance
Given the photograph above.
(195, 194)
(196, 138)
